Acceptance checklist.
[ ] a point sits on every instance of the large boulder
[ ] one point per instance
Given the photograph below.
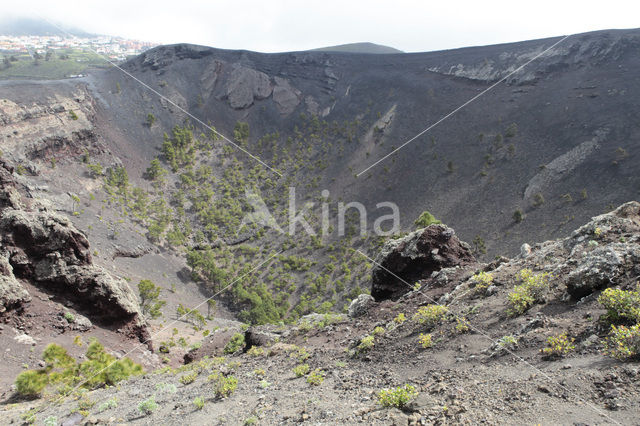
(260, 336)
(12, 294)
(404, 261)
(360, 305)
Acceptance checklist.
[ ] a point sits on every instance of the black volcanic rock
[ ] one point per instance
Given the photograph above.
(404, 261)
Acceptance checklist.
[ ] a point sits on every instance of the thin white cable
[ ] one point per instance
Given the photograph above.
(465, 104)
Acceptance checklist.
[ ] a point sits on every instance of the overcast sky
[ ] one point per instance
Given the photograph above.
(284, 25)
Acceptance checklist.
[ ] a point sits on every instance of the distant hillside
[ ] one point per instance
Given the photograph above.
(36, 27)
(359, 48)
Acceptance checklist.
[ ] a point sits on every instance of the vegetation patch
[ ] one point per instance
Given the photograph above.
(430, 315)
(301, 370)
(223, 386)
(99, 369)
(622, 306)
(234, 344)
(425, 340)
(397, 397)
(316, 377)
(426, 219)
(623, 342)
(482, 281)
(558, 346)
(148, 406)
(532, 290)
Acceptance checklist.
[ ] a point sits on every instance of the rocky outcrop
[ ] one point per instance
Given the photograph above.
(564, 164)
(260, 336)
(245, 85)
(45, 249)
(286, 97)
(360, 305)
(12, 294)
(589, 48)
(404, 261)
(41, 126)
(603, 253)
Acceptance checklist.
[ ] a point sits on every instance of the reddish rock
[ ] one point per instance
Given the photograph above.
(404, 261)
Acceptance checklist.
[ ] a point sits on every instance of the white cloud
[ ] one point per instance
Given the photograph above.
(284, 25)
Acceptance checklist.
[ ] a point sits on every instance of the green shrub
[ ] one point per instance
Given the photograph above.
(51, 421)
(482, 281)
(520, 300)
(623, 342)
(102, 368)
(378, 331)
(425, 340)
(107, 405)
(301, 370)
(69, 317)
(189, 378)
(366, 343)
(462, 325)
(255, 351)
(511, 131)
(98, 369)
(224, 386)
(166, 388)
(538, 199)
(425, 219)
(531, 291)
(316, 377)
(558, 346)
(507, 342)
(148, 406)
(400, 318)
(95, 170)
(31, 382)
(518, 216)
(150, 298)
(621, 305)
(430, 315)
(234, 344)
(199, 403)
(398, 397)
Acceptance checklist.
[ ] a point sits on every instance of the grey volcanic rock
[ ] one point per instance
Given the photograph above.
(404, 261)
(12, 294)
(286, 97)
(603, 253)
(246, 85)
(360, 305)
(564, 164)
(603, 262)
